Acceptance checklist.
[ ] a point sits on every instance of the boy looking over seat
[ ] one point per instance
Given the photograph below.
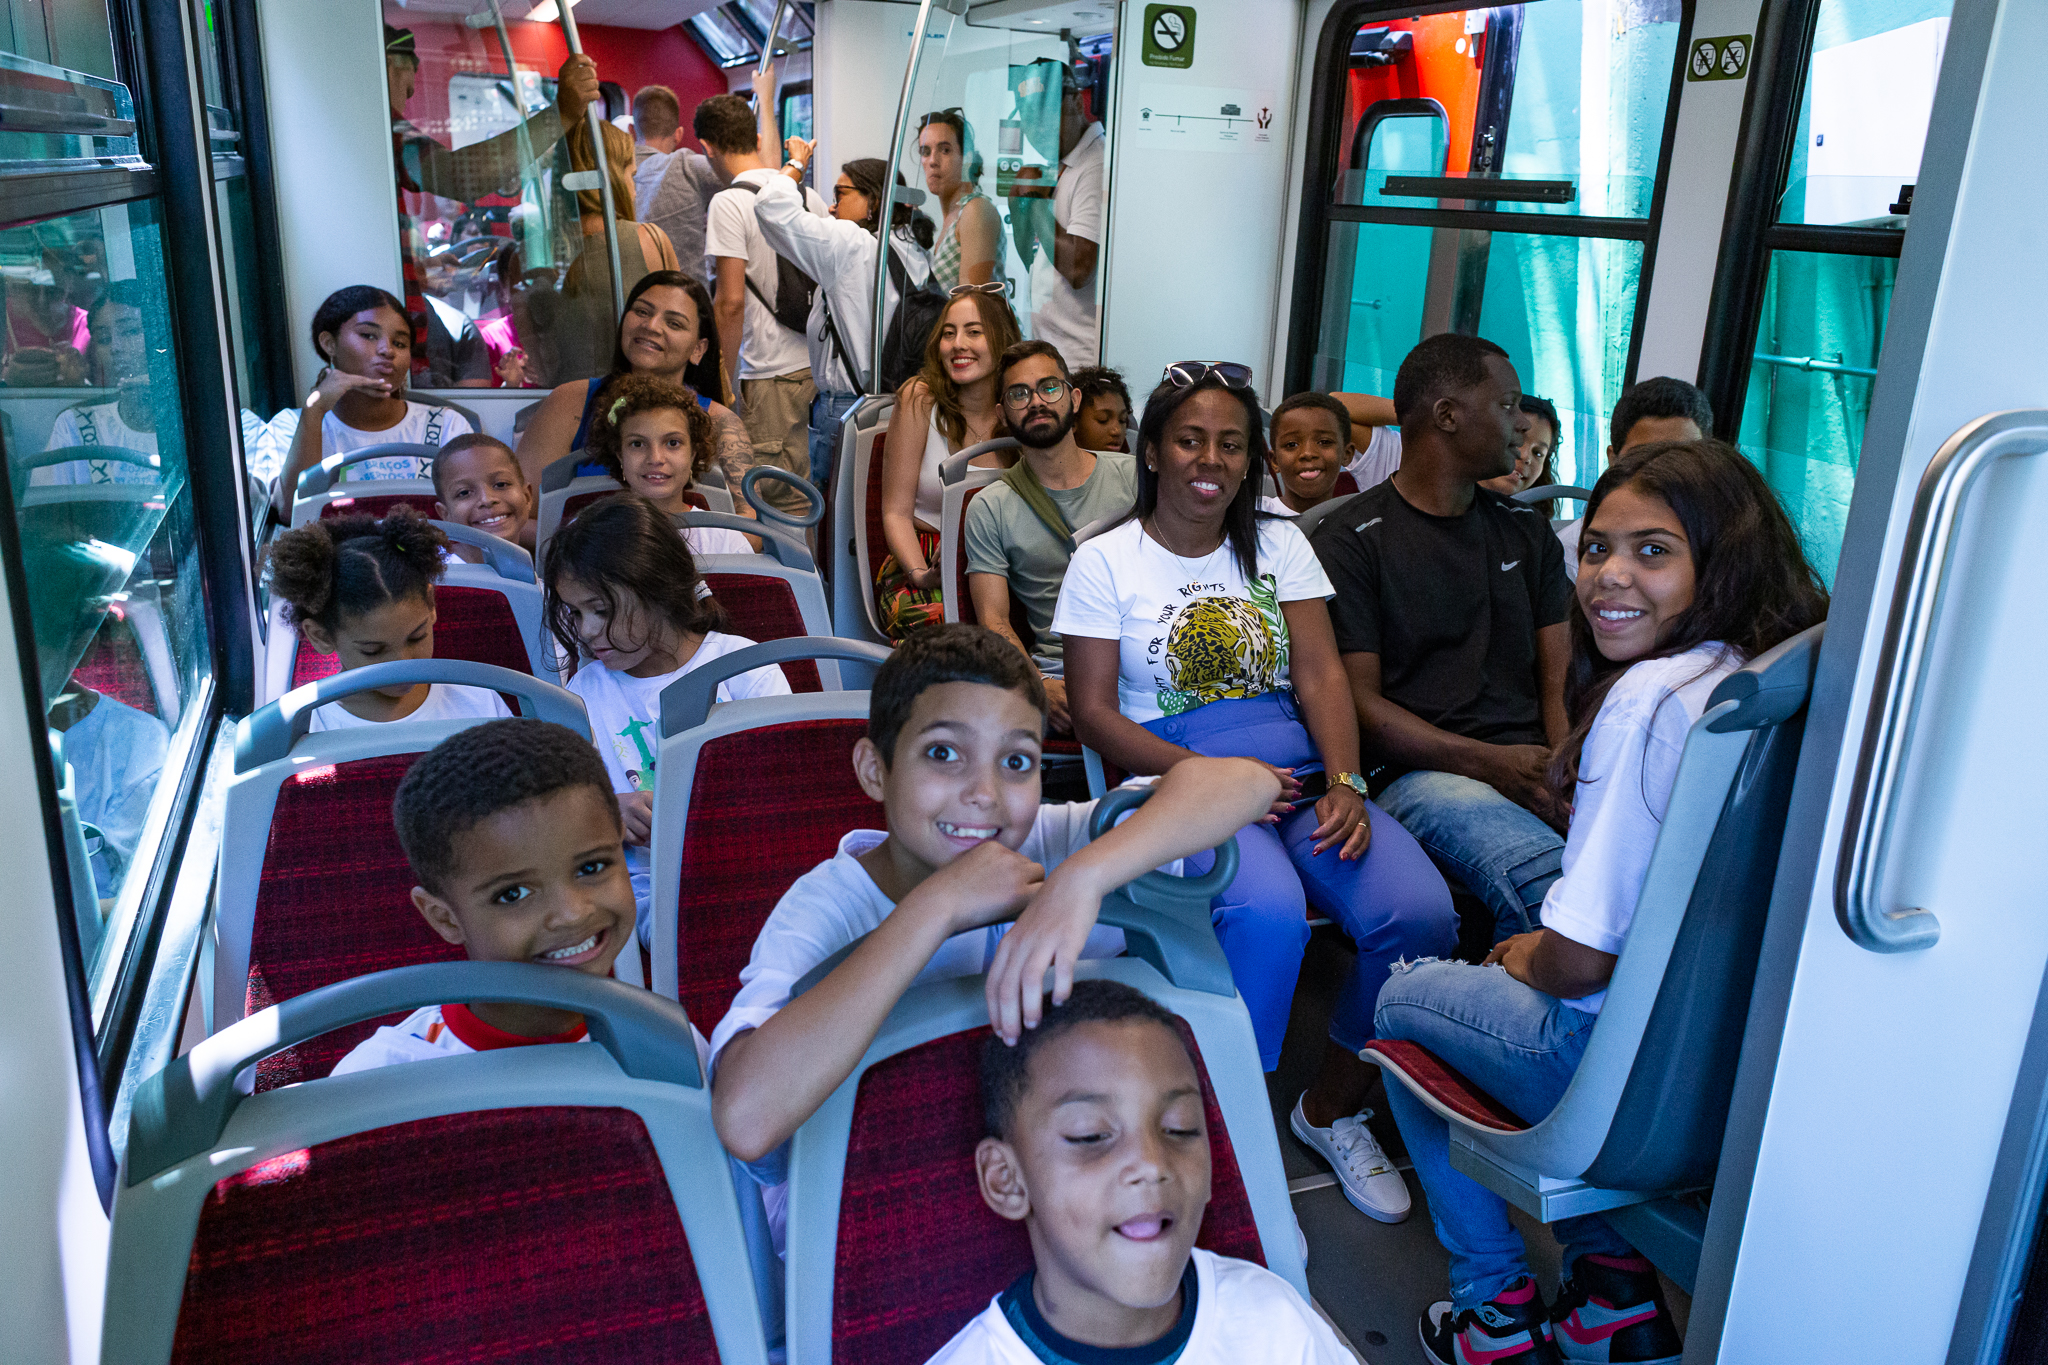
(952, 752)
(512, 830)
(1098, 1144)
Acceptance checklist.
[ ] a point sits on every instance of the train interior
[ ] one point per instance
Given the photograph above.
(1831, 1089)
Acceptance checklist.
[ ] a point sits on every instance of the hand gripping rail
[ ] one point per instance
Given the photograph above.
(509, 560)
(183, 1109)
(322, 477)
(268, 733)
(686, 702)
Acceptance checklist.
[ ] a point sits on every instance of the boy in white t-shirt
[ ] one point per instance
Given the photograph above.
(1098, 1145)
(956, 719)
(511, 829)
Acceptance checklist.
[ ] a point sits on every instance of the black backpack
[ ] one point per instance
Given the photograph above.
(918, 310)
(793, 289)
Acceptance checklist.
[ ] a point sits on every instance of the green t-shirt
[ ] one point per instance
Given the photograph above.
(1004, 536)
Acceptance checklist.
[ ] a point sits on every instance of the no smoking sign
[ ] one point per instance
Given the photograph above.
(1718, 59)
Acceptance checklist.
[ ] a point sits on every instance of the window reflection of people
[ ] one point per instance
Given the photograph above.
(115, 754)
(1060, 227)
(970, 245)
(120, 353)
(465, 174)
(456, 355)
(47, 335)
(581, 340)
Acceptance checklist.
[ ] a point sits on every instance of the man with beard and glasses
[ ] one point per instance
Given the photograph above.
(1020, 530)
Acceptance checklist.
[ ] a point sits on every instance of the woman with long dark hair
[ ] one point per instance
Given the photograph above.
(1199, 626)
(1688, 567)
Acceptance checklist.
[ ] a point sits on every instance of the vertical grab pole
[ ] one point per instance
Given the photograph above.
(526, 161)
(595, 115)
(768, 48)
(888, 206)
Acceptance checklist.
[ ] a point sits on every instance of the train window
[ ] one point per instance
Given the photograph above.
(507, 272)
(97, 464)
(1492, 171)
(724, 37)
(1852, 158)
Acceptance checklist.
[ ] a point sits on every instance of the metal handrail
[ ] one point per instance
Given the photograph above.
(1902, 673)
(888, 207)
(1814, 364)
(595, 116)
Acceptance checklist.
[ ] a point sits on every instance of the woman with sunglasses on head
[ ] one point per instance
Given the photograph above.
(941, 411)
(840, 254)
(970, 244)
(667, 333)
(1200, 626)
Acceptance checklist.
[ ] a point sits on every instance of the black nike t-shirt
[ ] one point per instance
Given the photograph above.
(1450, 604)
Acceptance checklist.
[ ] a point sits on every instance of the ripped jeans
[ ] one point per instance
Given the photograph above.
(1503, 853)
(1519, 1046)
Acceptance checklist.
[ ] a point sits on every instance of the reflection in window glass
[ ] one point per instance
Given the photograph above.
(1863, 119)
(1562, 307)
(96, 459)
(1809, 386)
(1558, 91)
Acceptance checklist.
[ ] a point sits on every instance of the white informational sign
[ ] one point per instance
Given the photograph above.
(1209, 118)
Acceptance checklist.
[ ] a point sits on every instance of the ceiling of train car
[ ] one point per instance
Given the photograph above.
(616, 13)
(1082, 17)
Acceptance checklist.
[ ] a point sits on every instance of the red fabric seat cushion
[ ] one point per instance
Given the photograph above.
(571, 506)
(766, 806)
(507, 1235)
(1345, 485)
(378, 505)
(475, 624)
(113, 665)
(871, 515)
(919, 1253)
(334, 902)
(1447, 1086)
(763, 607)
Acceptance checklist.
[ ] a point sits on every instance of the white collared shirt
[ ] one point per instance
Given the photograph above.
(1067, 317)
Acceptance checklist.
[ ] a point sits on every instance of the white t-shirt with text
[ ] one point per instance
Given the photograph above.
(422, 424)
(99, 425)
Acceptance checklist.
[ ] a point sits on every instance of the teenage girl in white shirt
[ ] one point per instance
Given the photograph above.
(1688, 567)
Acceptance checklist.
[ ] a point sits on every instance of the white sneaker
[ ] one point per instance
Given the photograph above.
(1368, 1178)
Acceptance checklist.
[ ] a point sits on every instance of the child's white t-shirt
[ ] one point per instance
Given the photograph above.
(445, 701)
(1375, 464)
(1190, 631)
(625, 724)
(1244, 1315)
(1626, 770)
(100, 425)
(422, 425)
(715, 540)
(450, 1031)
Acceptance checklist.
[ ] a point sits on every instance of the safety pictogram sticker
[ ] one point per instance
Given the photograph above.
(1718, 59)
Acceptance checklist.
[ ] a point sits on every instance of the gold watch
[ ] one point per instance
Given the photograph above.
(1351, 780)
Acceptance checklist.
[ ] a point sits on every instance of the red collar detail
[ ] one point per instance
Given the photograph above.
(482, 1037)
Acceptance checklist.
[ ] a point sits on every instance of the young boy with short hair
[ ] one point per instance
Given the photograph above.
(1311, 446)
(956, 718)
(514, 834)
(478, 483)
(1097, 1144)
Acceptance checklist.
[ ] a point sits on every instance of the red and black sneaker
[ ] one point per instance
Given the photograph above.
(1511, 1328)
(1611, 1310)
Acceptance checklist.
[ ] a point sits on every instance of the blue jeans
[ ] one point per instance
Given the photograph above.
(1519, 1046)
(1502, 852)
(828, 414)
(1392, 902)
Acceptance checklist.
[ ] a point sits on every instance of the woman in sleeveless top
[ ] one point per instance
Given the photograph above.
(941, 411)
(970, 245)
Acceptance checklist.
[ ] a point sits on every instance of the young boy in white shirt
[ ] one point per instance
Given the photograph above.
(954, 727)
(1097, 1144)
(513, 832)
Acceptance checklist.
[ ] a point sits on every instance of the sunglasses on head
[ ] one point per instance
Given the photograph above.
(1185, 374)
(1000, 288)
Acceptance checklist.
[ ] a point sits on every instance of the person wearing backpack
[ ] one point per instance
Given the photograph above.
(763, 300)
(839, 253)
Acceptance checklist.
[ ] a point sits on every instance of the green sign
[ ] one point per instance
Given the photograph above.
(1169, 36)
(1718, 59)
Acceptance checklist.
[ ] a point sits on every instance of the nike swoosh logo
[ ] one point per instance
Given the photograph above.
(1509, 565)
(1369, 525)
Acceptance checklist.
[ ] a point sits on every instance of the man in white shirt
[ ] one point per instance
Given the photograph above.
(755, 331)
(1066, 311)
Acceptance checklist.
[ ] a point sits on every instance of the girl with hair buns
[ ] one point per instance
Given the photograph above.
(363, 589)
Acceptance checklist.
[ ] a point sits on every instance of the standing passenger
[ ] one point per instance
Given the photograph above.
(970, 245)
(1065, 248)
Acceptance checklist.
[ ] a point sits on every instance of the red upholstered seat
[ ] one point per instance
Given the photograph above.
(766, 806)
(871, 512)
(334, 901)
(113, 665)
(1345, 485)
(571, 506)
(378, 505)
(1446, 1085)
(508, 1235)
(919, 1253)
(475, 624)
(762, 607)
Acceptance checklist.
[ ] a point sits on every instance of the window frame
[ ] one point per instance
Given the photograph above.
(1324, 153)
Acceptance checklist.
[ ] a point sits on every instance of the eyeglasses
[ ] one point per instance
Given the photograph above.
(1001, 288)
(1185, 374)
(839, 192)
(1051, 388)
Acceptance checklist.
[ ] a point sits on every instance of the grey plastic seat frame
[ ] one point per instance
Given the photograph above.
(1174, 958)
(805, 584)
(322, 484)
(275, 742)
(777, 543)
(959, 476)
(851, 580)
(1642, 1117)
(192, 1126)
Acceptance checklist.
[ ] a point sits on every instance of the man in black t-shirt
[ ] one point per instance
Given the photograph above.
(1450, 614)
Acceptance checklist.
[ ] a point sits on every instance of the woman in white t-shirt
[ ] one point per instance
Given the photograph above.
(631, 614)
(1688, 567)
(1199, 626)
(363, 589)
(363, 334)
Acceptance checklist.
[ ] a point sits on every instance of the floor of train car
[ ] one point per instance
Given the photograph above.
(1373, 1280)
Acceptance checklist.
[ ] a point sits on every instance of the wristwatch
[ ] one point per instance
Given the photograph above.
(1351, 780)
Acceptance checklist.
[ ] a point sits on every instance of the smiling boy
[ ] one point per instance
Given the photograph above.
(477, 483)
(1098, 1145)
